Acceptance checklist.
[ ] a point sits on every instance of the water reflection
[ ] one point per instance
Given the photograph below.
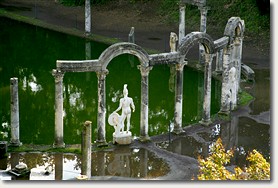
(240, 134)
(126, 162)
(123, 162)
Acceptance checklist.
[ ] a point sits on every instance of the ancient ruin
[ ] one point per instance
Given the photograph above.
(230, 46)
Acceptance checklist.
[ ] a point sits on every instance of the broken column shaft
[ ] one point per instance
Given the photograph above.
(182, 23)
(203, 28)
(86, 149)
(87, 17)
(225, 96)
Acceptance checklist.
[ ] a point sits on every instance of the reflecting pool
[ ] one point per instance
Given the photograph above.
(30, 53)
(122, 162)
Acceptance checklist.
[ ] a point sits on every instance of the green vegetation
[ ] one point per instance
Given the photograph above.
(245, 98)
(257, 19)
(255, 13)
(213, 167)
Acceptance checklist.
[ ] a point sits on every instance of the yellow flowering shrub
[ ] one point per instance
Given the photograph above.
(213, 167)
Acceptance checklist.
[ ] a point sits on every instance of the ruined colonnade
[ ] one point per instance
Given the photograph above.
(230, 45)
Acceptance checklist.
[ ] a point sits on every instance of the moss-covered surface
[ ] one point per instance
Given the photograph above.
(245, 98)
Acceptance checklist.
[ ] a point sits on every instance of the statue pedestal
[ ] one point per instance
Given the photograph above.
(123, 138)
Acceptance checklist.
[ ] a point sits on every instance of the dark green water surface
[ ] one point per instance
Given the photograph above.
(30, 53)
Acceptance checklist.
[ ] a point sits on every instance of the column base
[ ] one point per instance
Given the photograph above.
(205, 122)
(101, 143)
(144, 138)
(178, 130)
(224, 113)
(59, 145)
(15, 143)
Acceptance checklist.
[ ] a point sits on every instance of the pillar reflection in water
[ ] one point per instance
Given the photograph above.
(120, 165)
(143, 163)
(229, 133)
(59, 166)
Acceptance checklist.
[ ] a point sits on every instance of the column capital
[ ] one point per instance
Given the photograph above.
(58, 75)
(238, 41)
(144, 70)
(179, 66)
(228, 50)
(102, 74)
(204, 9)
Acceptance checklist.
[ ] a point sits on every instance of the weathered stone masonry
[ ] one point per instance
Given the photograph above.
(231, 58)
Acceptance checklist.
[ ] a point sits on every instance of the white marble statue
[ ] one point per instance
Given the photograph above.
(116, 120)
(173, 41)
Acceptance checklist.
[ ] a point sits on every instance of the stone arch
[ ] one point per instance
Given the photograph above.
(123, 48)
(234, 28)
(193, 38)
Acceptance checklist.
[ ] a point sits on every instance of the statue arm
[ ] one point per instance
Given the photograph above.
(120, 106)
(132, 105)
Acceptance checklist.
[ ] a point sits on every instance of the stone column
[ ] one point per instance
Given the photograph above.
(86, 149)
(203, 28)
(101, 119)
(131, 35)
(178, 99)
(182, 22)
(59, 132)
(144, 114)
(225, 91)
(237, 58)
(131, 39)
(87, 17)
(88, 50)
(207, 90)
(203, 22)
(219, 62)
(14, 113)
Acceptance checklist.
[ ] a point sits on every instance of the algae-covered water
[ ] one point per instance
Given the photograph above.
(30, 53)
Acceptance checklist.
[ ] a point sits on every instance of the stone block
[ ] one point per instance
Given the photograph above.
(124, 138)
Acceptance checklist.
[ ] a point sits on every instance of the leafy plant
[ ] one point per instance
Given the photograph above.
(4, 131)
(214, 166)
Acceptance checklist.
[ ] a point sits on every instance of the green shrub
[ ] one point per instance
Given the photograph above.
(213, 167)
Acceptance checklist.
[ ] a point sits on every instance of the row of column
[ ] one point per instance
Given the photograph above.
(101, 118)
(179, 94)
